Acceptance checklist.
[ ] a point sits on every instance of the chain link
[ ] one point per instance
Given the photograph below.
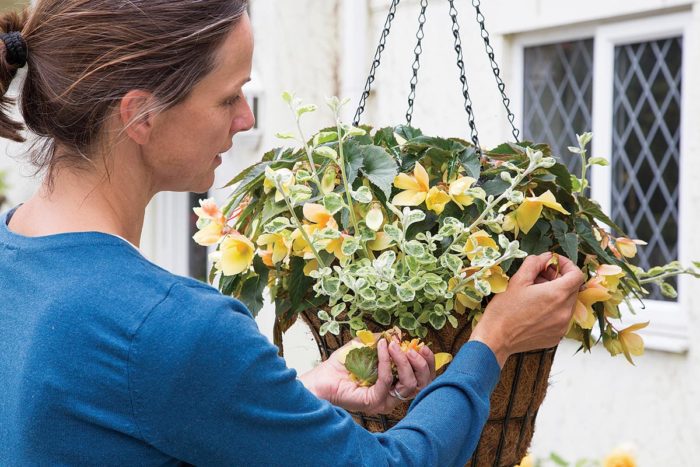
(416, 62)
(494, 66)
(463, 78)
(376, 61)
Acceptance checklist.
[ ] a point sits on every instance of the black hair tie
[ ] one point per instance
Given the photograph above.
(16, 48)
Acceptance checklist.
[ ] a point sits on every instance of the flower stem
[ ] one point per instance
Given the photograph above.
(300, 226)
(309, 155)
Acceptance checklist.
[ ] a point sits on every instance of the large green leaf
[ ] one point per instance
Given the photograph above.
(379, 168)
(354, 160)
(563, 176)
(299, 283)
(363, 364)
(254, 286)
(567, 240)
(593, 209)
(537, 240)
(470, 160)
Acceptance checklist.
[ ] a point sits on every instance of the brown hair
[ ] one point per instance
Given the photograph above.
(85, 55)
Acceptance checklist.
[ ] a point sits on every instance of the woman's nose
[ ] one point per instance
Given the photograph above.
(244, 121)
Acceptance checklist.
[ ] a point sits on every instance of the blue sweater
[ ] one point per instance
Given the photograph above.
(107, 359)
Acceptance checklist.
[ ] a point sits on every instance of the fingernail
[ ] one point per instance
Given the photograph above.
(412, 353)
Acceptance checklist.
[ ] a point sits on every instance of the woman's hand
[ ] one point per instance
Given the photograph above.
(534, 312)
(331, 381)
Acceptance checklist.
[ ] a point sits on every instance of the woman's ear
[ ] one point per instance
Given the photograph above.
(135, 112)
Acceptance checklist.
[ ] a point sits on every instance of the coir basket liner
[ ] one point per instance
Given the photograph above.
(514, 403)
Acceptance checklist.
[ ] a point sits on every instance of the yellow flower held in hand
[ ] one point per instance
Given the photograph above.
(526, 215)
(415, 187)
(497, 279)
(236, 254)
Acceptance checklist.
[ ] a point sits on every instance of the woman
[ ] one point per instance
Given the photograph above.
(106, 358)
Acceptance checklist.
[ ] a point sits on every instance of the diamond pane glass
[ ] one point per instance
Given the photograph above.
(558, 96)
(646, 147)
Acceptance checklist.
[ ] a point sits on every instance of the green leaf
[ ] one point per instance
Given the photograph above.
(405, 293)
(363, 364)
(599, 161)
(451, 262)
(495, 187)
(324, 137)
(395, 233)
(299, 194)
(437, 321)
(354, 160)
(362, 195)
(350, 246)
(277, 225)
(563, 176)
(305, 109)
(407, 322)
(285, 135)
(248, 174)
(331, 285)
(299, 283)
(327, 152)
(382, 317)
(593, 209)
(414, 248)
(453, 321)
(253, 287)
(469, 159)
(537, 241)
(558, 459)
(667, 290)
(333, 202)
(324, 316)
(379, 167)
(411, 217)
(567, 240)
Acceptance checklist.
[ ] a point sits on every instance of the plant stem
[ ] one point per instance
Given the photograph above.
(651, 280)
(309, 155)
(346, 186)
(300, 227)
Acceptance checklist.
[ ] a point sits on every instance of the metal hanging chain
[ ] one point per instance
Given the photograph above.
(375, 62)
(463, 78)
(420, 35)
(494, 66)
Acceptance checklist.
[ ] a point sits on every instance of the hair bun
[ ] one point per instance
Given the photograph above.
(16, 48)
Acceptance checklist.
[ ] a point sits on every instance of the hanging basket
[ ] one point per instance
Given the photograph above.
(514, 402)
(524, 378)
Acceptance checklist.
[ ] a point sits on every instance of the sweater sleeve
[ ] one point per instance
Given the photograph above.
(207, 388)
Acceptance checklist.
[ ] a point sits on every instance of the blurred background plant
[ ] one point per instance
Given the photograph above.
(622, 456)
(3, 187)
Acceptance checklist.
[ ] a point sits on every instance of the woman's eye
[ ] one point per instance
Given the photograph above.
(231, 100)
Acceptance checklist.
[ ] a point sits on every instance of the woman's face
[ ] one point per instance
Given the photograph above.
(187, 140)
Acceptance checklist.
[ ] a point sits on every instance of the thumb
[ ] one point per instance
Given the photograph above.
(531, 268)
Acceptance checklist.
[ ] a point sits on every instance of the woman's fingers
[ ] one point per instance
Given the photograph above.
(429, 357)
(407, 379)
(384, 376)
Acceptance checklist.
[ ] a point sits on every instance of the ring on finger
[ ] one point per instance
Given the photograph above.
(396, 394)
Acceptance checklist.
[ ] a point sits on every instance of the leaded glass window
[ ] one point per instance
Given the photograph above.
(558, 96)
(646, 146)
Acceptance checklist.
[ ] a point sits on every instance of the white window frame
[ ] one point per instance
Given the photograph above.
(668, 330)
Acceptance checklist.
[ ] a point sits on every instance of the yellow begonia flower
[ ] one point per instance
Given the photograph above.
(280, 243)
(627, 247)
(367, 337)
(611, 275)
(209, 235)
(319, 215)
(215, 221)
(442, 359)
(497, 279)
(266, 257)
(236, 254)
(632, 343)
(382, 242)
(528, 461)
(415, 187)
(436, 200)
(462, 301)
(335, 246)
(526, 215)
(458, 189)
(583, 312)
(299, 245)
(620, 458)
(476, 240)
